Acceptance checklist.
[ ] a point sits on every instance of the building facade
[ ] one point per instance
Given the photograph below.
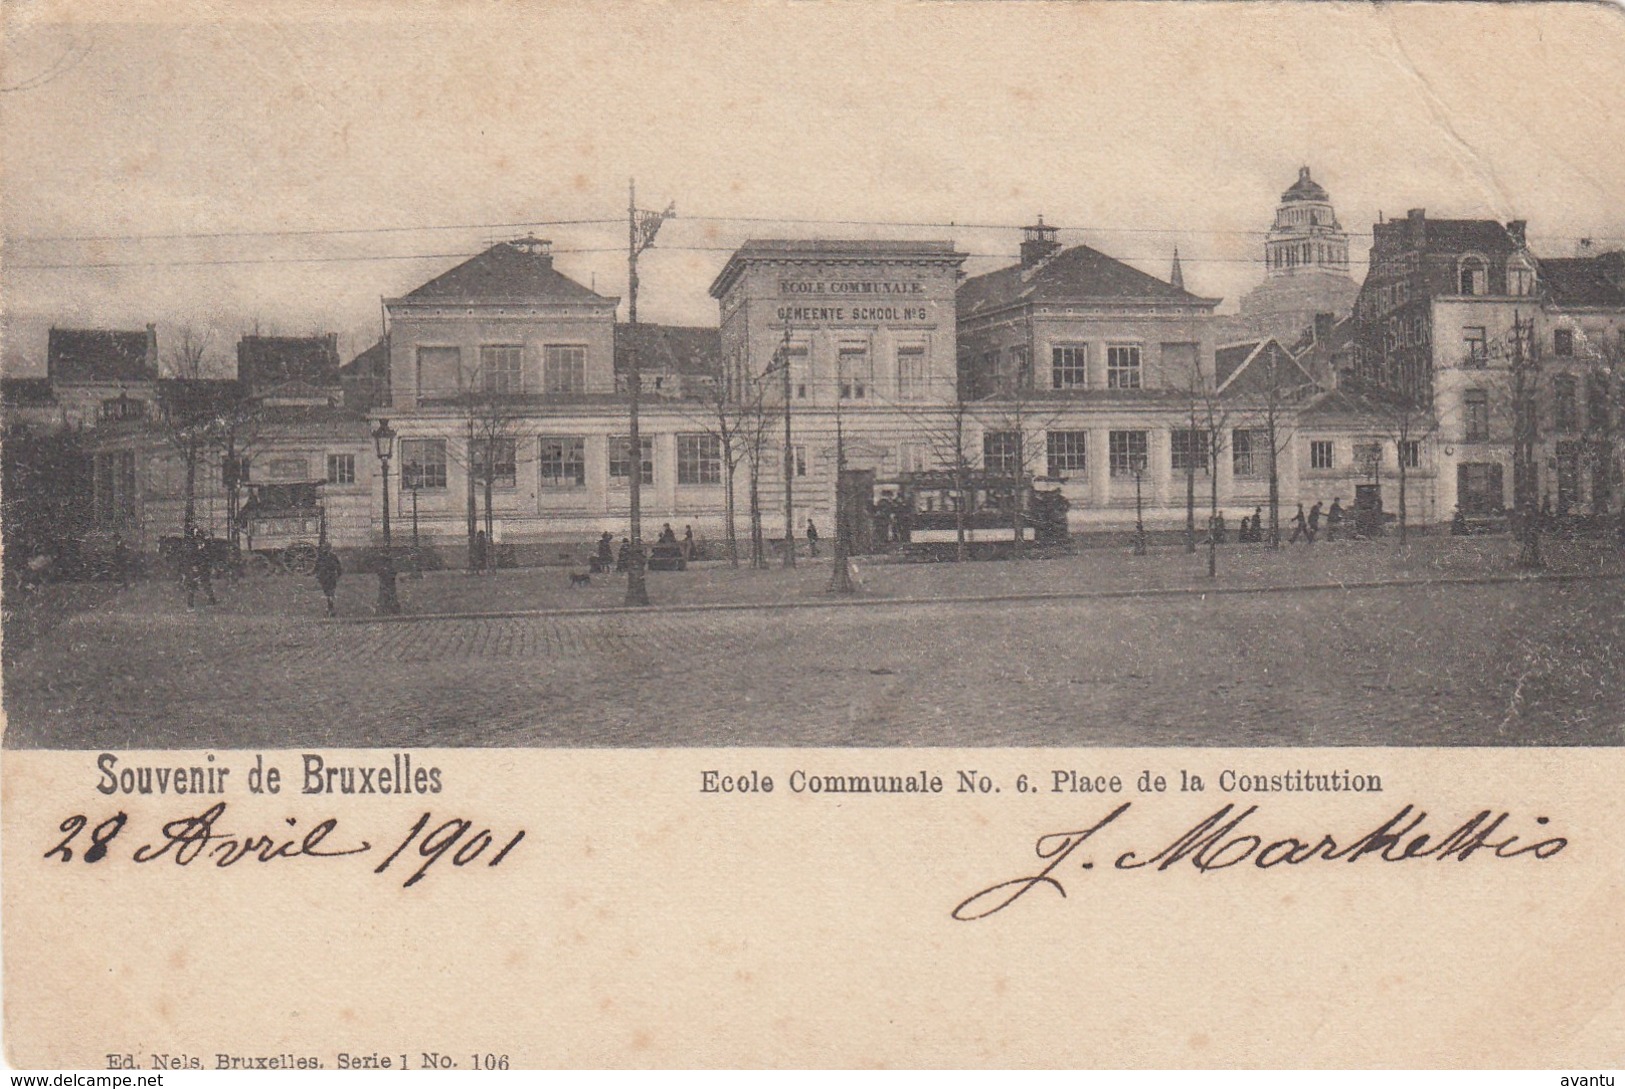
(1083, 369)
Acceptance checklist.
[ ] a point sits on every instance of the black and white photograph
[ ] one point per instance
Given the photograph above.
(814, 535)
(1028, 400)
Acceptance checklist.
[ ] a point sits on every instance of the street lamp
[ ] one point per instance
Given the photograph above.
(389, 604)
(1137, 463)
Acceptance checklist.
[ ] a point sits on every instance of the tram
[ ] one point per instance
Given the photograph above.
(920, 514)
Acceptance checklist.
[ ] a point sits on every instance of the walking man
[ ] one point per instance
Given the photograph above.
(1334, 517)
(1314, 521)
(1300, 527)
(202, 577)
(328, 570)
(812, 537)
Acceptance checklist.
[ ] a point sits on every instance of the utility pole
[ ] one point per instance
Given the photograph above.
(840, 580)
(1524, 485)
(789, 460)
(641, 228)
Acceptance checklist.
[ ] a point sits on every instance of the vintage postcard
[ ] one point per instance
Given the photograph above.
(813, 535)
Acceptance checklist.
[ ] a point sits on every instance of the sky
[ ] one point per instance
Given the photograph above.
(281, 167)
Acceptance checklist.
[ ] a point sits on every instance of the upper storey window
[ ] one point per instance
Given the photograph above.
(1473, 276)
(1520, 277)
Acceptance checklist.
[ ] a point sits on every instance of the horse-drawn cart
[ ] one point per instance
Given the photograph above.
(283, 526)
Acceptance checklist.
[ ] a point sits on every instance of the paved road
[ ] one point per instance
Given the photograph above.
(1540, 663)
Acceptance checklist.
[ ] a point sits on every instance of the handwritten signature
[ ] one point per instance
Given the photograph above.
(1216, 843)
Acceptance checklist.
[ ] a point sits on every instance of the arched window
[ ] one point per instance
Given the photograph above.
(1473, 276)
(1520, 277)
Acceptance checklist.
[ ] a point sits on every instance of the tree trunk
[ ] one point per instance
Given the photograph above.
(1190, 503)
(729, 493)
(1402, 530)
(1275, 490)
(473, 509)
(1213, 520)
(758, 551)
(189, 517)
(490, 526)
(961, 547)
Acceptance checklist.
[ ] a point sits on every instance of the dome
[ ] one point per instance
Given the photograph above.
(1305, 188)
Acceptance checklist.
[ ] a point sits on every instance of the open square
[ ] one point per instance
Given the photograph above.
(1346, 644)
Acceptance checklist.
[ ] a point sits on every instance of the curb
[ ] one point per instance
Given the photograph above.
(977, 599)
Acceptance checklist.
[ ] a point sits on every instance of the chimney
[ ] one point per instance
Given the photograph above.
(536, 247)
(1038, 244)
(1323, 327)
(1516, 231)
(1416, 227)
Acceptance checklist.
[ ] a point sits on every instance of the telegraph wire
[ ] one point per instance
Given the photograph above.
(315, 232)
(310, 232)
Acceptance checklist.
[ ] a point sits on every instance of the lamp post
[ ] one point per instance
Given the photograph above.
(389, 604)
(1137, 463)
(412, 477)
(789, 460)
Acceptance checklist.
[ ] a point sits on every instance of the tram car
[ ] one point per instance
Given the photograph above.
(283, 525)
(920, 513)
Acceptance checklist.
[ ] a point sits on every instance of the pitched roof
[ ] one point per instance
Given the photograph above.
(1355, 405)
(101, 355)
(517, 271)
(373, 362)
(1457, 235)
(1078, 274)
(1585, 281)
(1238, 369)
(679, 349)
(198, 398)
(265, 362)
(27, 391)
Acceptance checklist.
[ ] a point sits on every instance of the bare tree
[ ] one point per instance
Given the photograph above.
(493, 418)
(734, 413)
(195, 413)
(1216, 417)
(947, 433)
(1193, 398)
(1016, 415)
(1281, 389)
(1406, 421)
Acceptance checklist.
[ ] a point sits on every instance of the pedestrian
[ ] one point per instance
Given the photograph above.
(1314, 521)
(1258, 524)
(1300, 526)
(122, 560)
(688, 543)
(202, 578)
(328, 570)
(623, 559)
(1334, 517)
(667, 534)
(812, 537)
(606, 553)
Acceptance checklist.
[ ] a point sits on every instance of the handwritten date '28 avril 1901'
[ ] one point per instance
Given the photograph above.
(201, 838)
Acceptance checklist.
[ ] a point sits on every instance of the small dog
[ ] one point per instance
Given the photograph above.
(579, 579)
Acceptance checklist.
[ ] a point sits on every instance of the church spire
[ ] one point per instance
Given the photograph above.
(1177, 276)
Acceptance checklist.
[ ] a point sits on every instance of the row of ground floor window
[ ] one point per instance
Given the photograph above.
(549, 479)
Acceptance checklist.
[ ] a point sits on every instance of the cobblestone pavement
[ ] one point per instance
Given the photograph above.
(1537, 663)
